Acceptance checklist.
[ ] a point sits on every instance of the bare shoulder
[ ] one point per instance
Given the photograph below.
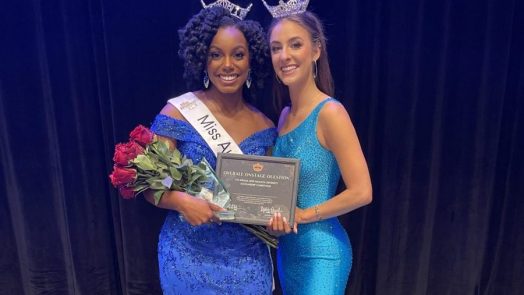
(333, 112)
(171, 111)
(335, 129)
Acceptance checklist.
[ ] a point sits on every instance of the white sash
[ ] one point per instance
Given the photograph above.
(201, 118)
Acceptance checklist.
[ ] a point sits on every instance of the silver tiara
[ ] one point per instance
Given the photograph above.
(234, 9)
(286, 9)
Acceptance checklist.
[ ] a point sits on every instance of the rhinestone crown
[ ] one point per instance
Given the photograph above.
(234, 9)
(289, 8)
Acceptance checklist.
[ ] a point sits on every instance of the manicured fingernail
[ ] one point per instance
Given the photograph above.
(285, 220)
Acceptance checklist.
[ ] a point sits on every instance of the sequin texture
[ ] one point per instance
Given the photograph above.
(318, 259)
(211, 258)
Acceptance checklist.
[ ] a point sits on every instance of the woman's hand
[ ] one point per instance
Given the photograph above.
(195, 211)
(278, 225)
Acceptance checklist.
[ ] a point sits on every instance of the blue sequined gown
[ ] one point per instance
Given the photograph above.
(211, 258)
(318, 259)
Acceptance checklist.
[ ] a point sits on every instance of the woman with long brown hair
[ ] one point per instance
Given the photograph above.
(316, 129)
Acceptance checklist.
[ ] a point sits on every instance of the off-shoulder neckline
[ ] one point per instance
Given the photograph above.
(238, 143)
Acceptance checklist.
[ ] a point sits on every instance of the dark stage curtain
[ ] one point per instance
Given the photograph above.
(435, 90)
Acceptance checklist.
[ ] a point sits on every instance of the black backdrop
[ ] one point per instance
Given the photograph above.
(435, 89)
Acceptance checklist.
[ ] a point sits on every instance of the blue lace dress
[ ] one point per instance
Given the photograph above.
(317, 260)
(211, 258)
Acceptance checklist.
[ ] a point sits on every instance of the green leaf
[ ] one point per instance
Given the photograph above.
(176, 153)
(158, 196)
(155, 183)
(160, 151)
(176, 157)
(177, 187)
(140, 187)
(195, 177)
(187, 162)
(162, 166)
(163, 148)
(157, 186)
(143, 162)
(175, 173)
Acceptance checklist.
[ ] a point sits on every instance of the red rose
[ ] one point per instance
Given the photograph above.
(126, 192)
(142, 135)
(125, 152)
(122, 176)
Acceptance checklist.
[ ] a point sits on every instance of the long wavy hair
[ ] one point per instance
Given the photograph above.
(324, 79)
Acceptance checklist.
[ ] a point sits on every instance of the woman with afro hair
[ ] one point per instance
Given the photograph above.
(224, 64)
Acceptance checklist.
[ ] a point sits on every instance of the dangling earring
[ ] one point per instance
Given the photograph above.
(248, 80)
(206, 80)
(315, 72)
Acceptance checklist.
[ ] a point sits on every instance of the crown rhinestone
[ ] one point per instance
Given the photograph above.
(286, 9)
(234, 9)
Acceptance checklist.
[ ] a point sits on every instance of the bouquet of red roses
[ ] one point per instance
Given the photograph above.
(147, 163)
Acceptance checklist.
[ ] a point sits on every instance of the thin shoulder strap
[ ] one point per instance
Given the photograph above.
(318, 108)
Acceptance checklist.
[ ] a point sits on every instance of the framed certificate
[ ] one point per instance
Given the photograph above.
(259, 186)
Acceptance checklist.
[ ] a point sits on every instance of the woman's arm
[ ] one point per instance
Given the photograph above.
(336, 133)
(195, 211)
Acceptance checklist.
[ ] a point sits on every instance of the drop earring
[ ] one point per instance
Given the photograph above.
(315, 71)
(206, 80)
(248, 80)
